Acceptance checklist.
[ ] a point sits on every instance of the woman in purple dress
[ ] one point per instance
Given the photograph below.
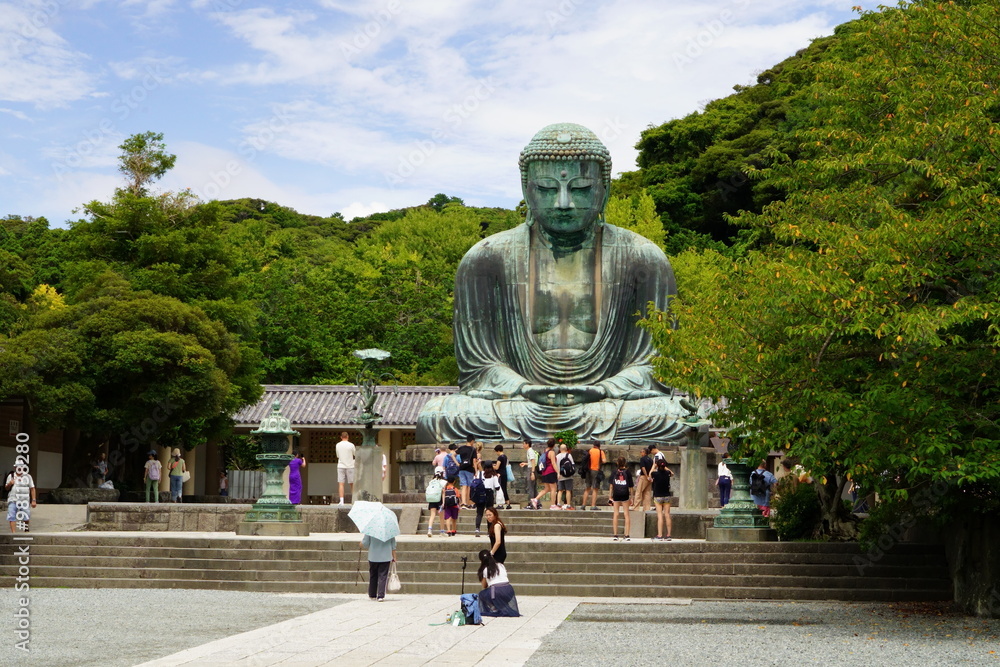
(295, 478)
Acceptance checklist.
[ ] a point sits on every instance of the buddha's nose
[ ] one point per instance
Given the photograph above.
(563, 201)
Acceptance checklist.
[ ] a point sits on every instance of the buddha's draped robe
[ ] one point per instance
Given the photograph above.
(496, 351)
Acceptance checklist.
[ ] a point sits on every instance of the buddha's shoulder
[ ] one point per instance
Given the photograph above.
(614, 235)
(499, 244)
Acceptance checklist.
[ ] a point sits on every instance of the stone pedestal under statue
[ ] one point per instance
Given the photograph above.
(693, 492)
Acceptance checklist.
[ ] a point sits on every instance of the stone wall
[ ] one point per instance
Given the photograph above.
(204, 517)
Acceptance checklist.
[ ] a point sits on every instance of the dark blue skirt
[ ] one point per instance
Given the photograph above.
(498, 600)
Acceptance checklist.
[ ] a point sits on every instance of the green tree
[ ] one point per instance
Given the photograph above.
(144, 159)
(637, 213)
(862, 338)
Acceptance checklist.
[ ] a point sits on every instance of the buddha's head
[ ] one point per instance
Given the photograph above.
(566, 178)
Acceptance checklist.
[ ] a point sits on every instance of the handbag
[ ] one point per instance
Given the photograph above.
(510, 473)
(393, 585)
(186, 477)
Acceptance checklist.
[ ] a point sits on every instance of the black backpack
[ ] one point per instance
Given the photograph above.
(758, 483)
(567, 468)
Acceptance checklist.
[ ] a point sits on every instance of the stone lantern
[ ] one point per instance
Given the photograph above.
(273, 514)
(740, 520)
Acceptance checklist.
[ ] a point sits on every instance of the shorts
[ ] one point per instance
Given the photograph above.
(12, 512)
(465, 478)
(551, 478)
(661, 500)
(434, 506)
(345, 475)
(591, 479)
(565, 485)
(450, 512)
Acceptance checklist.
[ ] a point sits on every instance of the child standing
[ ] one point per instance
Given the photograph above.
(434, 495)
(151, 477)
(450, 507)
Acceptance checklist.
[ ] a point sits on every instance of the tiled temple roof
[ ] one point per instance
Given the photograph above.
(338, 405)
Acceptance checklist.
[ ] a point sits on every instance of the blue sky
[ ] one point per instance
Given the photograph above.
(357, 105)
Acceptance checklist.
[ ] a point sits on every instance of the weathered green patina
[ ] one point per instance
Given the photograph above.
(545, 324)
(741, 520)
(272, 513)
(368, 458)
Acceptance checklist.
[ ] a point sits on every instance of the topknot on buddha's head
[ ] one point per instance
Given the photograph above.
(566, 141)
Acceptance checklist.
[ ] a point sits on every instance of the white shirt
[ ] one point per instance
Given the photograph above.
(345, 454)
(20, 490)
(501, 577)
(724, 470)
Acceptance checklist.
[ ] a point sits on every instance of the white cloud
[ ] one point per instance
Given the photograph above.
(37, 66)
(359, 209)
(16, 114)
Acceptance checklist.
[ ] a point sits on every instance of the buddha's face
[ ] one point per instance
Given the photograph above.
(565, 198)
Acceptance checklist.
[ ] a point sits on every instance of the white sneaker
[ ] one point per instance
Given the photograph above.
(430, 534)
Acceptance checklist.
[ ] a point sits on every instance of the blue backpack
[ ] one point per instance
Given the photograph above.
(470, 607)
(450, 466)
(477, 492)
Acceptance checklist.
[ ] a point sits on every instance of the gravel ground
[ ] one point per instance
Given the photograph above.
(778, 633)
(80, 627)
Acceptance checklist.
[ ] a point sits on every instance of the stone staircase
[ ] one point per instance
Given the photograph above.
(576, 567)
(578, 523)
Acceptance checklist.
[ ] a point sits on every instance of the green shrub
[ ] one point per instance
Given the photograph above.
(240, 452)
(796, 510)
(568, 436)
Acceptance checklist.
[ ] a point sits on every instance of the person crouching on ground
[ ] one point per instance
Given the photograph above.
(380, 555)
(497, 598)
(621, 491)
(661, 497)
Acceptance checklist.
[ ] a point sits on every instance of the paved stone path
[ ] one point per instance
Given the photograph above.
(398, 631)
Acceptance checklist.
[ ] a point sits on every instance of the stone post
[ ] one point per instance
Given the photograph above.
(368, 468)
(694, 476)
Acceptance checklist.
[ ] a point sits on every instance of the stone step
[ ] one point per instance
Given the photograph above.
(516, 563)
(557, 580)
(436, 549)
(318, 543)
(894, 594)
